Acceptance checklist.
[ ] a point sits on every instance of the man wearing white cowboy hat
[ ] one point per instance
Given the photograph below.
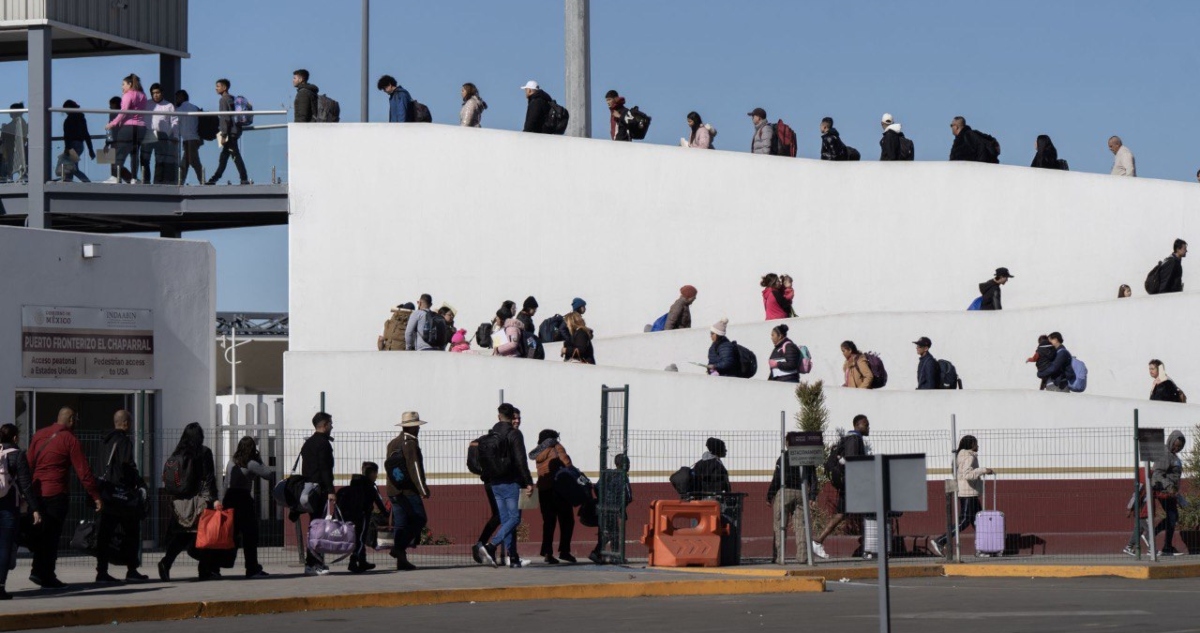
(406, 488)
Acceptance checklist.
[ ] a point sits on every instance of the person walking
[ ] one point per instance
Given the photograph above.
(929, 375)
(229, 131)
(75, 137)
(20, 491)
(414, 333)
(972, 145)
(356, 502)
(786, 491)
(189, 136)
(511, 414)
(990, 289)
(1047, 155)
(709, 475)
(577, 347)
(129, 130)
(317, 470)
(1165, 389)
(618, 128)
(162, 142)
(242, 474)
(399, 100)
(1123, 163)
(679, 317)
(702, 134)
(53, 452)
(187, 508)
(760, 143)
(507, 488)
(471, 114)
(1058, 374)
(119, 471)
(856, 368)
(304, 109)
(970, 488)
(777, 295)
(850, 445)
(832, 147)
(722, 354)
(408, 509)
(891, 145)
(1164, 481)
(551, 457)
(537, 108)
(785, 357)
(1170, 270)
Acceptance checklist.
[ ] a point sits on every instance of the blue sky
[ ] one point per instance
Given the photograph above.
(1078, 71)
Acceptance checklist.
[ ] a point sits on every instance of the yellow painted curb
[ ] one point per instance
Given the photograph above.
(1134, 572)
(828, 573)
(215, 609)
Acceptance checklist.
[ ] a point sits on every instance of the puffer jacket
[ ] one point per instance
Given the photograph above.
(722, 355)
(1169, 470)
(550, 457)
(703, 138)
(471, 114)
(679, 317)
(786, 359)
(889, 145)
(858, 372)
(832, 147)
(536, 112)
(970, 475)
(305, 109)
(761, 142)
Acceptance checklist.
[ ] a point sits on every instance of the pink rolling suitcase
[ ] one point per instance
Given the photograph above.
(989, 527)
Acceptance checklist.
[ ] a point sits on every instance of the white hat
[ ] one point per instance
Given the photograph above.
(887, 118)
(410, 419)
(719, 327)
(531, 85)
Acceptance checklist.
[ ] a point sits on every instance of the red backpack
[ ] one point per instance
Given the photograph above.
(783, 142)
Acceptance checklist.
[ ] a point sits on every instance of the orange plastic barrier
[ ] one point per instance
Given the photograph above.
(670, 545)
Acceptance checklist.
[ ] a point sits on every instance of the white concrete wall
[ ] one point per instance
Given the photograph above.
(1116, 338)
(382, 213)
(173, 278)
(367, 391)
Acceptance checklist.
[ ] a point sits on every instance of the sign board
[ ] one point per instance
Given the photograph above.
(1151, 444)
(805, 448)
(87, 343)
(906, 482)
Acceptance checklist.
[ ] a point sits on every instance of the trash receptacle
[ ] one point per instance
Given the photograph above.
(731, 514)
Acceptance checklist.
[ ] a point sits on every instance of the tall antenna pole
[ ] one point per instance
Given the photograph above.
(579, 67)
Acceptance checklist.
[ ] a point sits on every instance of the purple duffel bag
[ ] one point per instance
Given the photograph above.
(331, 536)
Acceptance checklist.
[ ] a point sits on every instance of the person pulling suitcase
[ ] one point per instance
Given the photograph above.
(970, 491)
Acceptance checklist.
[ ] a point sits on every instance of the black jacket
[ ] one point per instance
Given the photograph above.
(317, 454)
(832, 147)
(709, 476)
(519, 467)
(22, 477)
(975, 146)
(536, 112)
(1046, 157)
(1170, 276)
(929, 374)
(788, 356)
(527, 321)
(306, 102)
(358, 499)
(75, 129)
(122, 468)
(990, 290)
(579, 347)
(226, 125)
(1059, 371)
(723, 356)
(793, 479)
(1165, 391)
(889, 145)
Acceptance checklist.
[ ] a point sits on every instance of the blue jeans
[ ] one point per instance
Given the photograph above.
(507, 501)
(408, 519)
(9, 522)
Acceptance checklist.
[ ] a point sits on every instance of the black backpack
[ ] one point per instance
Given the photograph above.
(207, 127)
(397, 468)
(533, 347)
(908, 151)
(179, 476)
(328, 110)
(436, 332)
(1154, 278)
(1062, 164)
(418, 112)
(556, 119)
(638, 123)
(473, 464)
(852, 154)
(548, 331)
(495, 456)
(949, 375)
(991, 147)
(681, 480)
(834, 469)
(747, 362)
(483, 335)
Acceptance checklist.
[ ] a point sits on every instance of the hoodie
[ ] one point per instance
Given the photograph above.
(889, 145)
(832, 147)
(305, 109)
(1169, 469)
(519, 468)
(550, 457)
(537, 111)
(990, 291)
(709, 475)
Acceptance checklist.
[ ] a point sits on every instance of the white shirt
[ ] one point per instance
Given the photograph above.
(168, 125)
(189, 126)
(1123, 164)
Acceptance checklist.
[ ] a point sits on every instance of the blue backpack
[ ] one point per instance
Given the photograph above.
(660, 324)
(1079, 383)
(977, 304)
(242, 104)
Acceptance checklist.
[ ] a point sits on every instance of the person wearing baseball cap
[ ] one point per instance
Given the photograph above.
(406, 487)
(990, 289)
(763, 132)
(928, 373)
(538, 108)
(679, 317)
(890, 146)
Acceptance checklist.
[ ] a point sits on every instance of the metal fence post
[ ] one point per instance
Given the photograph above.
(1137, 498)
(954, 486)
(781, 534)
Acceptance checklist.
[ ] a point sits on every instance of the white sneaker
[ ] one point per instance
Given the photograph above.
(112, 180)
(819, 550)
(316, 571)
(933, 545)
(1129, 550)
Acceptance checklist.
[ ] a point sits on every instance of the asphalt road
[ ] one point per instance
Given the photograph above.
(935, 605)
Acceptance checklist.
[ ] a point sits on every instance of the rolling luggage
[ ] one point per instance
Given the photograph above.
(871, 536)
(989, 527)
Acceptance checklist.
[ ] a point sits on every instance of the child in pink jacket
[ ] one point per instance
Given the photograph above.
(459, 342)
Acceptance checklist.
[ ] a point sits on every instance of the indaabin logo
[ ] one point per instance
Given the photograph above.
(39, 317)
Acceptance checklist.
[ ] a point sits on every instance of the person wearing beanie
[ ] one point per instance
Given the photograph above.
(578, 307)
(459, 342)
(785, 358)
(890, 145)
(722, 355)
(709, 476)
(618, 129)
(679, 317)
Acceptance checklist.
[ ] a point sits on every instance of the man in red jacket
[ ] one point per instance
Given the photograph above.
(53, 452)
